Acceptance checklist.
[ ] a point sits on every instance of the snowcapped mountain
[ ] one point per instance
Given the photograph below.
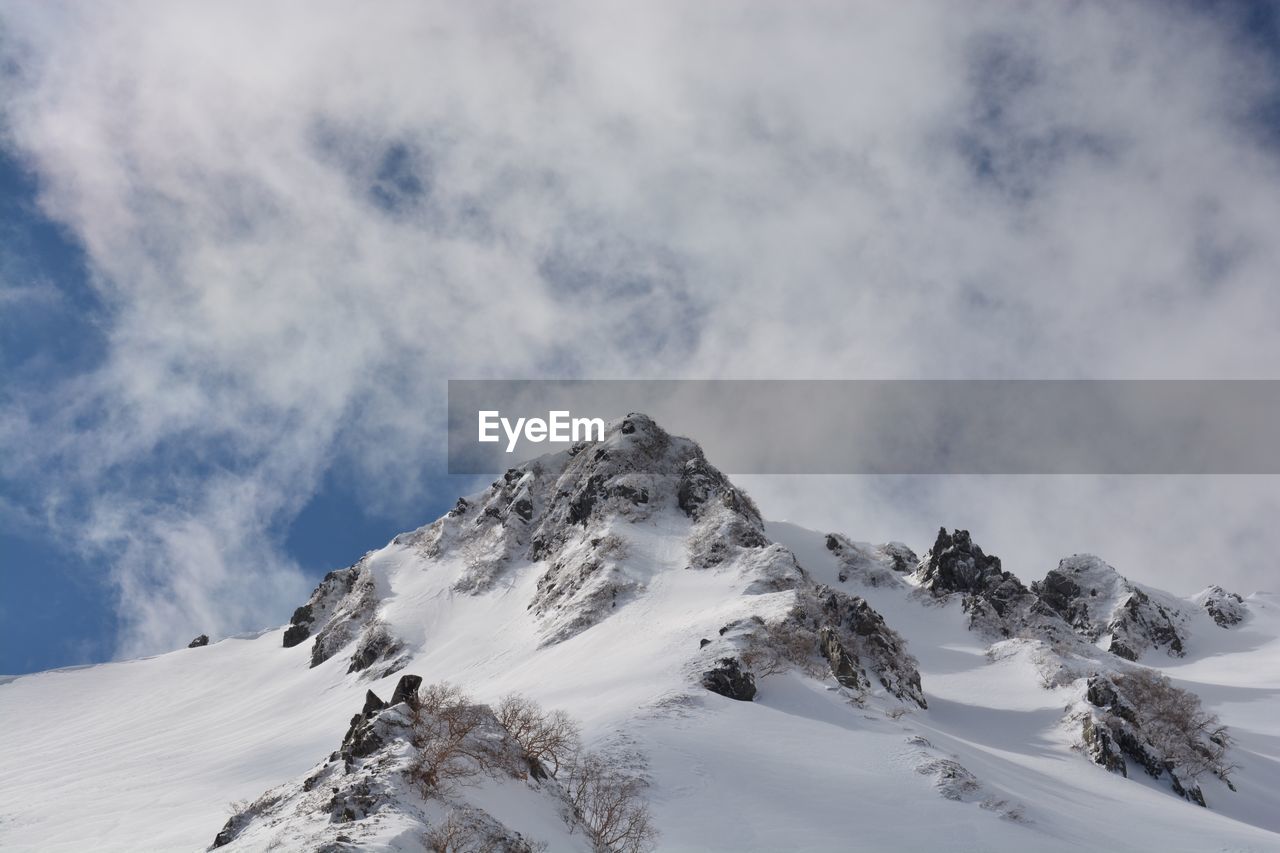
(725, 683)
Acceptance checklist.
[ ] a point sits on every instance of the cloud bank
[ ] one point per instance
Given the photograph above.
(299, 219)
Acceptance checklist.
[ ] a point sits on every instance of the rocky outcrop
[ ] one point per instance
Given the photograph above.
(831, 632)
(202, 640)
(377, 644)
(316, 611)
(1083, 599)
(729, 679)
(956, 564)
(361, 740)
(858, 645)
(572, 514)
(1127, 715)
(844, 666)
(1100, 604)
(407, 690)
(997, 602)
(1227, 609)
(875, 566)
(347, 616)
(364, 796)
(1144, 719)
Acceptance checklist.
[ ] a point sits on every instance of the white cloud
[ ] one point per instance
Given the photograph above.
(304, 217)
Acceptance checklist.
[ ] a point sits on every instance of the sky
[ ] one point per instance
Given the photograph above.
(243, 247)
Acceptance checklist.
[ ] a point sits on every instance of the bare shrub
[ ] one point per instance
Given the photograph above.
(777, 646)
(609, 805)
(1177, 724)
(451, 749)
(436, 697)
(452, 835)
(441, 726)
(550, 738)
(460, 833)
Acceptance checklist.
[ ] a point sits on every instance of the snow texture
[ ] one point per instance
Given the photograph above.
(899, 703)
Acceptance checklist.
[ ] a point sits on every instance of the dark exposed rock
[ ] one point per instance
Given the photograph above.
(855, 638)
(1101, 747)
(362, 739)
(377, 644)
(729, 679)
(202, 640)
(1096, 601)
(300, 628)
(295, 634)
(1062, 595)
(328, 595)
(844, 666)
(407, 690)
(1187, 792)
(998, 603)
(993, 597)
(1101, 692)
(703, 643)
(1116, 732)
(229, 831)
(956, 564)
(372, 704)
(584, 500)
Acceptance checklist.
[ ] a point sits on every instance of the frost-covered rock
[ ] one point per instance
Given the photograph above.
(1228, 609)
(1102, 605)
(729, 679)
(571, 515)
(320, 606)
(876, 566)
(997, 602)
(366, 796)
(1123, 721)
(348, 618)
(955, 564)
(827, 631)
(855, 639)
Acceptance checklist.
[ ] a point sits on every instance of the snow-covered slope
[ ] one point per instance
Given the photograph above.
(900, 703)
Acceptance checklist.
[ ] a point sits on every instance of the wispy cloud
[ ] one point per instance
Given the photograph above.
(304, 217)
